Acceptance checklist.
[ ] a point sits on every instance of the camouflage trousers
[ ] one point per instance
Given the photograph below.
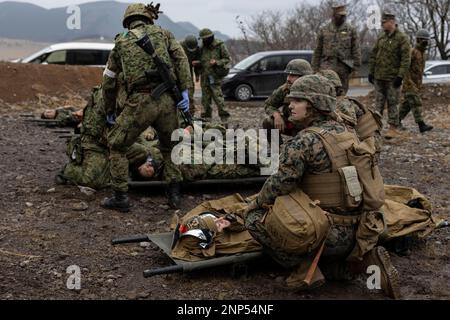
(343, 72)
(210, 93)
(338, 245)
(385, 92)
(140, 112)
(411, 102)
(92, 172)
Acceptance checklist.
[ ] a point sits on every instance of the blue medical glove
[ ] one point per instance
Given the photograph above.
(183, 105)
(111, 120)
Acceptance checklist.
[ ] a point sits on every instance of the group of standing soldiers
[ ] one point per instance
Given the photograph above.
(392, 64)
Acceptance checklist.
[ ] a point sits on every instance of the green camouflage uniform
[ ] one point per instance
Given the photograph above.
(390, 58)
(338, 49)
(65, 118)
(211, 82)
(278, 102)
(195, 71)
(141, 110)
(413, 84)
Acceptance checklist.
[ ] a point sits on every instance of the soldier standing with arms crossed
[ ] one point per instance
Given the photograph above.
(389, 62)
(338, 47)
(192, 50)
(141, 108)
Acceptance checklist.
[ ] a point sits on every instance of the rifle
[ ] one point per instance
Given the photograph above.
(164, 72)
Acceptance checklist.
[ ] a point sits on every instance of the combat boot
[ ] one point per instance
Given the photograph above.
(389, 275)
(174, 195)
(224, 114)
(392, 133)
(424, 127)
(118, 202)
(60, 180)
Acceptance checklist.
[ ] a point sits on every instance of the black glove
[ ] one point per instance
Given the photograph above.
(398, 82)
(371, 78)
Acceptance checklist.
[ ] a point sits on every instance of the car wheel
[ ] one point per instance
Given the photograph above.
(243, 92)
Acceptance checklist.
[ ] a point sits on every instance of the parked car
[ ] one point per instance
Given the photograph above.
(437, 71)
(260, 74)
(72, 53)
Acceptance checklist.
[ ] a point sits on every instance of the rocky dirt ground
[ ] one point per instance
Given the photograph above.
(46, 228)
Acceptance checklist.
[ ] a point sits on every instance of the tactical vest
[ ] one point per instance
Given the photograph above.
(369, 123)
(354, 182)
(139, 70)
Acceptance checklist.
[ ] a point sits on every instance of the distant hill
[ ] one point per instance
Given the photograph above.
(98, 19)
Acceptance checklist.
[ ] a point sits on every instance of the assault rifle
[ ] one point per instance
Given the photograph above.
(163, 70)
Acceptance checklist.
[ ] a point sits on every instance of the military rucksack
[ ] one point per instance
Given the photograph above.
(296, 224)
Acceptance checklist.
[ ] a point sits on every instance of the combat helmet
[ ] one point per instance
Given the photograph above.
(191, 43)
(388, 13)
(206, 33)
(339, 7)
(299, 67)
(332, 76)
(148, 11)
(423, 34)
(317, 90)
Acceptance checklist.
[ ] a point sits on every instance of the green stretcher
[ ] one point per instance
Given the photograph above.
(240, 182)
(164, 242)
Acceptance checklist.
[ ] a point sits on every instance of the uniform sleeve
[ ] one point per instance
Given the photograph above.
(274, 102)
(409, 84)
(356, 49)
(225, 58)
(180, 61)
(109, 84)
(373, 57)
(290, 172)
(315, 64)
(405, 49)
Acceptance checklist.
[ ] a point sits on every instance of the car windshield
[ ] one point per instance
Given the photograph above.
(247, 62)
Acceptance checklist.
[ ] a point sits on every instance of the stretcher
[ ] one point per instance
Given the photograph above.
(240, 182)
(164, 242)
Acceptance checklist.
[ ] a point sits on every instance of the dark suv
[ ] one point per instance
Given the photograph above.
(260, 74)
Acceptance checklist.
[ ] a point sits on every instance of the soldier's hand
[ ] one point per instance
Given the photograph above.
(279, 122)
(398, 82)
(213, 62)
(371, 78)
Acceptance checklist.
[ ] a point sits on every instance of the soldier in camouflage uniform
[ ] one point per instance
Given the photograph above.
(277, 105)
(338, 47)
(215, 63)
(192, 50)
(313, 103)
(65, 117)
(141, 108)
(352, 112)
(389, 62)
(413, 82)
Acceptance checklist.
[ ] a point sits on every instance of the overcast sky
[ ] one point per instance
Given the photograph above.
(216, 14)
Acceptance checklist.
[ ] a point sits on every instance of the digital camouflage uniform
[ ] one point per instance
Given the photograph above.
(211, 82)
(88, 154)
(338, 49)
(195, 71)
(141, 110)
(390, 58)
(66, 118)
(412, 86)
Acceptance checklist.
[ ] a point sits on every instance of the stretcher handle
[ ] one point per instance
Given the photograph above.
(165, 270)
(134, 239)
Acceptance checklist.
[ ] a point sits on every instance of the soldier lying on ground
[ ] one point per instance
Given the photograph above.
(66, 117)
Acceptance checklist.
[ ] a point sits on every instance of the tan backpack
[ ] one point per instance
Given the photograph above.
(296, 224)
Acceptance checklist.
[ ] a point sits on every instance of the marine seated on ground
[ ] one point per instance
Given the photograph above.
(65, 117)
